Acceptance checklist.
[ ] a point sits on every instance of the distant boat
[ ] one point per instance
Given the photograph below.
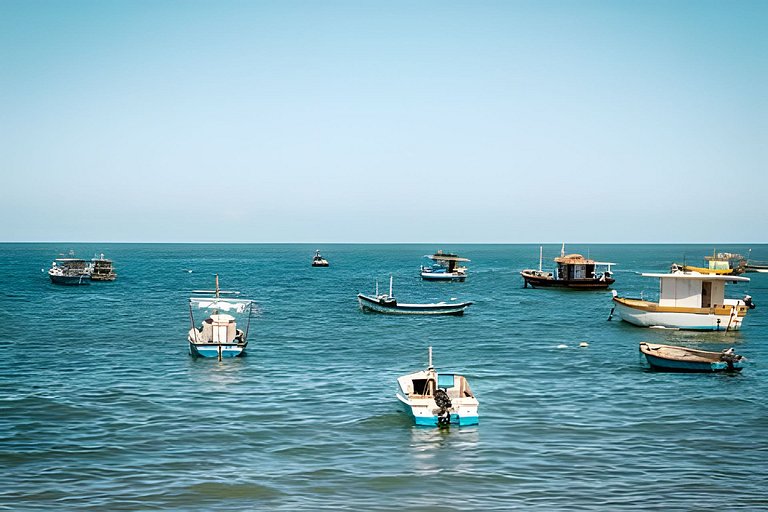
(736, 263)
(687, 300)
(102, 269)
(683, 359)
(437, 399)
(444, 267)
(319, 261)
(572, 271)
(70, 271)
(386, 303)
(218, 335)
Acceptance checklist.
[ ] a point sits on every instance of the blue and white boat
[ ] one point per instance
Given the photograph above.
(387, 304)
(437, 399)
(218, 335)
(70, 271)
(444, 267)
(684, 359)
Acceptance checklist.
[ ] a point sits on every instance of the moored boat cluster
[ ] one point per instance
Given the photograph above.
(690, 298)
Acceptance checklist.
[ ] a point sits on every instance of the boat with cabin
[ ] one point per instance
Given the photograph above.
(572, 271)
(444, 266)
(687, 300)
(318, 260)
(736, 263)
(219, 335)
(102, 269)
(720, 263)
(684, 359)
(434, 398)
(387, 304)
(70, 271)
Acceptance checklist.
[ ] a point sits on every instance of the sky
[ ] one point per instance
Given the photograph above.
(384, 121)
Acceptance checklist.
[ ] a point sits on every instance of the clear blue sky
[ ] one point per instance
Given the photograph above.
(384, 121)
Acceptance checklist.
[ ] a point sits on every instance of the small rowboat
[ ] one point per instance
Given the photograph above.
(683, 359)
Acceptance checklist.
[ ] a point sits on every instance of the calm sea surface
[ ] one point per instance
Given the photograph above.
(102, 408)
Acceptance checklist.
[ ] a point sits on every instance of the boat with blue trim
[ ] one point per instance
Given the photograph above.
(684, 359)
(687, 300)
(387, 304)
(218, 335)
(437, 399)
(444, 267)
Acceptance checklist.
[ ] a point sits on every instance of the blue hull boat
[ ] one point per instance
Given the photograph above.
(219, 336)
(683, 359)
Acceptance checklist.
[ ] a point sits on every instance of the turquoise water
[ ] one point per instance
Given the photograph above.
(102, 408)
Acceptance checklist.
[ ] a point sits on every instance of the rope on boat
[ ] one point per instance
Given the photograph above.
(444, 403)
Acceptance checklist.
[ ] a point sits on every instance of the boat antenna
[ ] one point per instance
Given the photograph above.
(429, 363)
(562, 250)
(377, 288)
(390, 286)
(541, 253)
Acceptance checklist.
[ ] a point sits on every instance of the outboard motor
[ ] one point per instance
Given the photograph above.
(748, 302)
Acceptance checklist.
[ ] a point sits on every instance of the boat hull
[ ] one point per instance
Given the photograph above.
(660, 363)
(374, 305)
(212, 350)
(443, 276)
(72, 280)
(642, 315)
(577, 284)
(423, 416)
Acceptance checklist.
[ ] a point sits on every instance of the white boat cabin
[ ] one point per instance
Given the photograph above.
(693, 290)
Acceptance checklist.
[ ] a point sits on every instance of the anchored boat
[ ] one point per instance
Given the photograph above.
(437, 399)
(102, 269)
(444, 267)
(683, 359)
(319, 261)
(386, 303)
(687, 300)
(70, 271)
(218, 335)
(572, 271)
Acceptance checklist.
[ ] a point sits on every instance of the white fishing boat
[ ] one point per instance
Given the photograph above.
(70, 271)
(687, 300)
(318, 260)
(387, 304)
(444, 267)
(218, 335)
(437, 399)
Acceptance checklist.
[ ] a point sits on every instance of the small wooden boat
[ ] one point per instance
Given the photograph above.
(218, 335)
(319, 261)
(437, 399)
(683, 359)
(444, 267)
(573, 271)
(102, 269)
(70, 271)
(387, 304)
(687, 300)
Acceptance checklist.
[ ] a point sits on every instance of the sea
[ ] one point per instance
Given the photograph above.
(103, 408)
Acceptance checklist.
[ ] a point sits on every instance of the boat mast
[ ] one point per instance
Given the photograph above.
(562, 250)
(390, 286)
(429, 366)
(541, 253)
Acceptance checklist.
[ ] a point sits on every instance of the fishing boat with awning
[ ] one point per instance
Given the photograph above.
(219, 334)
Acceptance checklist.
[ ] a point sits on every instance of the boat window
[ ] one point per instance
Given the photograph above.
(421, 386)
(445, 381)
